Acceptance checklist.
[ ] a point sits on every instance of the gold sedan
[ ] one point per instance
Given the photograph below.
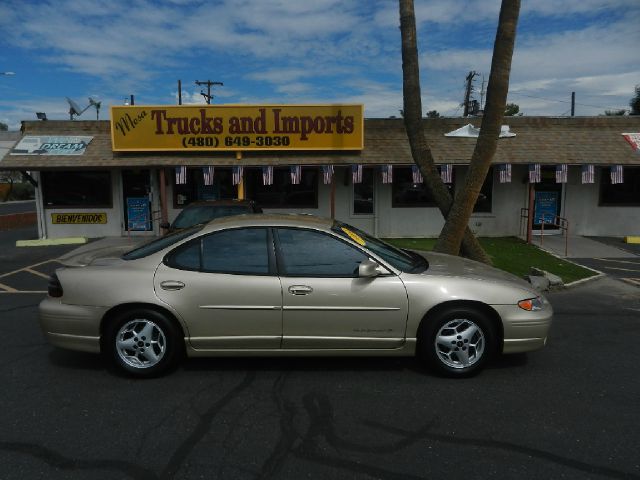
(258, 285)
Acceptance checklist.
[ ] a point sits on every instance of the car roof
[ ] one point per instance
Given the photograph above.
(270, 220)
(214, 203)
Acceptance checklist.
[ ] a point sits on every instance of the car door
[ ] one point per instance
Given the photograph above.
(326, 304)
(225, 288)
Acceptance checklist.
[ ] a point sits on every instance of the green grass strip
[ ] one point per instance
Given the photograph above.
(512, 255)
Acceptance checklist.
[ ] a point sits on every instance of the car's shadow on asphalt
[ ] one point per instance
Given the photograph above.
(76, 360)
(69, 360)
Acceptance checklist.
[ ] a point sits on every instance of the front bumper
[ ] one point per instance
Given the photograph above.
(73, 327)
(524, 331)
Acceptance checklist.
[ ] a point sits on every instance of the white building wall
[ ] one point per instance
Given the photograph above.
(585, 215)
(113, 227)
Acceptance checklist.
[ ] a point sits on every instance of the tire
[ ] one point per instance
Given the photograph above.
(457, 342)
(143, 343)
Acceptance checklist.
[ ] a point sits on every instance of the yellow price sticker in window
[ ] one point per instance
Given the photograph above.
(354, 236)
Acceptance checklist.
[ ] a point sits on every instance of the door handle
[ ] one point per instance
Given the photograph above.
(300, 290)
(171, 285)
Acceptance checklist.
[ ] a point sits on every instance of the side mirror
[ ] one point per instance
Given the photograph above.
(165, 225)
(368, 268)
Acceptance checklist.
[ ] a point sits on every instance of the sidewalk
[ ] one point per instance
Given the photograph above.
(580, 247)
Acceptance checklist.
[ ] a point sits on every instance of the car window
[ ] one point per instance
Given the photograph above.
(159, 244)
(241, 251)
(186, 257)
(204, 213)
(404, 261)
(307, 253)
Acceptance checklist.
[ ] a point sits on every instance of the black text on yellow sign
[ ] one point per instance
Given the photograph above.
(237, 127)
(78, 218)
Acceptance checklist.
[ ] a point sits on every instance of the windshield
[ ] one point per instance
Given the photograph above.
(203, 213)
(402, 260)
(160, 243)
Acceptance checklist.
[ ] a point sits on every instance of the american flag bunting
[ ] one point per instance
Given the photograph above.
(588, 174)
(207, 175)
(356, 173)
(236, 175)
(417, 176)
(446, 173)
(181, 175)
(535, 176)
(633, 139)
(561, 173)
(504, 173)
(327, 174)
(267, 175)
(296, 174)
(387, 173)
(616, 174)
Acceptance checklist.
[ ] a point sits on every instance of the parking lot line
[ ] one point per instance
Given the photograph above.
(632, 281)
(616, 261)
(29, 267)
(7, 289)
(607, 267)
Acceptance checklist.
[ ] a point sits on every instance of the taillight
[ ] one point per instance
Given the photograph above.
(55, 287)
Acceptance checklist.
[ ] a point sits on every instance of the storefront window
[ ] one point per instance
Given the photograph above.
(363, 200)
(625, 194)
(76, 189)
(407, 194)
(195, 189)
(484, 203)
(283, 194)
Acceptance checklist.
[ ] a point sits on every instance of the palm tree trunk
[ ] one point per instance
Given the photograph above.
(453, 231)
(420, 149)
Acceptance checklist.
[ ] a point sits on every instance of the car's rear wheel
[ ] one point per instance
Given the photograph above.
(457, 342)
(143, 343)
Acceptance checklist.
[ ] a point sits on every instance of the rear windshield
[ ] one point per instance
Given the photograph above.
(204, 213)
(160, 243)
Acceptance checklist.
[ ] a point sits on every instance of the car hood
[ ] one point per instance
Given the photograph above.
(452, 266)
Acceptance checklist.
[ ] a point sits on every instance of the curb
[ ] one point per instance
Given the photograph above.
(44, 242)
(598, 274)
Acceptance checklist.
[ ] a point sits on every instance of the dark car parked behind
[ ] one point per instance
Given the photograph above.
(204, 211)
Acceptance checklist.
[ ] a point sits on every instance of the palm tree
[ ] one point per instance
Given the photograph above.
(412, 114)
(456, 223)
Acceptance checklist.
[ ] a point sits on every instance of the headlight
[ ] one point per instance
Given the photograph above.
(531, 304)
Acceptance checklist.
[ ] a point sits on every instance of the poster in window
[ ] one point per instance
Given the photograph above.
(138, 214)
(546, 207)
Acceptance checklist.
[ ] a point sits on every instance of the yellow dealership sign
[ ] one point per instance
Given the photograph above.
(78, 218)
(237, 127)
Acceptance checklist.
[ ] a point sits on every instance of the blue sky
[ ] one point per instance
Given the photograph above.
(296, 51)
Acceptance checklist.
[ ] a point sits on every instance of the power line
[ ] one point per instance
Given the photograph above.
(562, 101)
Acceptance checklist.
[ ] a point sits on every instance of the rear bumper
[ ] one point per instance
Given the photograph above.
(74, 327)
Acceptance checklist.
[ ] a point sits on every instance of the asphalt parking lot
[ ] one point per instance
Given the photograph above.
(567, 411)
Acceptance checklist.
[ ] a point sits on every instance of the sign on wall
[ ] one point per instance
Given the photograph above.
(48, 145)
(546, 207)
(237, 127)
(79, 218)
(138, 214)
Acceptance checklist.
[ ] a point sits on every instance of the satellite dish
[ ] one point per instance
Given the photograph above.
(74, 108)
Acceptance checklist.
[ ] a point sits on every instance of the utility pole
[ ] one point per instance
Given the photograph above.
(573, 104)
(467, 91)
(207, 96)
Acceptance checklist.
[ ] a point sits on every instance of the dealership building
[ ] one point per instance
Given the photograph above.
(127, 175)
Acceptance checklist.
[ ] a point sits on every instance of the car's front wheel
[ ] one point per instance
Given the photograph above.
(143, 343)
(457, 342)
